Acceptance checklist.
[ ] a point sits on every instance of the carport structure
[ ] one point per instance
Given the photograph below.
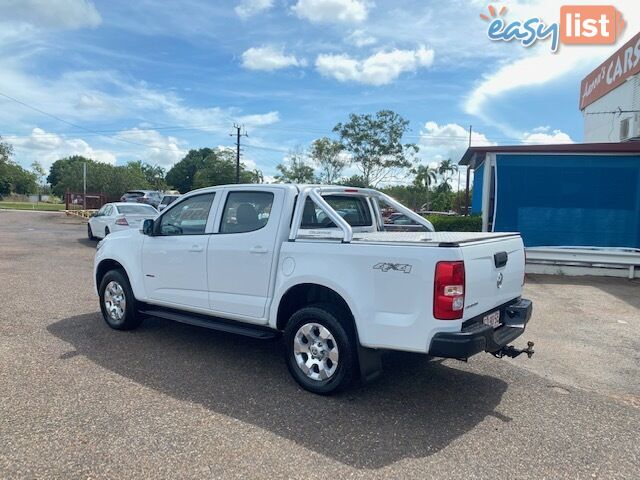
(576, 205)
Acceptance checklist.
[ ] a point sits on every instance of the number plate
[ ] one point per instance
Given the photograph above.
(493, 319)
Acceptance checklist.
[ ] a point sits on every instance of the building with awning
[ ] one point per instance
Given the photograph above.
(565, 197)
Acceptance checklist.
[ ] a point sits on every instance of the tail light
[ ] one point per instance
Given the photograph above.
(524, 272)
(448, 291)
(122, 221)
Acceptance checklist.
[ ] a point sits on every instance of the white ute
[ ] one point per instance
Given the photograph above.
(315, 264)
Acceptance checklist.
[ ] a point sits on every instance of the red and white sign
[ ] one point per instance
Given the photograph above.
(612, 73)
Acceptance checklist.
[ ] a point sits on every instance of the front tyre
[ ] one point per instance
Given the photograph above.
(90, 232)
(117, 302)
(320, 353)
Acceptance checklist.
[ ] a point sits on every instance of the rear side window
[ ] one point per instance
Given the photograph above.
(188, 217)
(353, 209)
(246, 211)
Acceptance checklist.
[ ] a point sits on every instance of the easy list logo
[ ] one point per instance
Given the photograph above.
(578, 25)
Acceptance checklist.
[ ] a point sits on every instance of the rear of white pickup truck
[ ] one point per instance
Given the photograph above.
(446, 294)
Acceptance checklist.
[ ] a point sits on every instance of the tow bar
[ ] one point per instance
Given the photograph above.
(513, 352)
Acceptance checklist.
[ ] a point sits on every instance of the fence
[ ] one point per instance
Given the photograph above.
(78, 201)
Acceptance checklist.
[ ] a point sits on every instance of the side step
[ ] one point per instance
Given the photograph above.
(212, 323)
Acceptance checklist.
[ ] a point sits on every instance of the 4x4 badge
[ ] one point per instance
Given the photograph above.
(396, 267)
(500, 279)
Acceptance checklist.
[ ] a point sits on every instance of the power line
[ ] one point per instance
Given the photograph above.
(79, 126)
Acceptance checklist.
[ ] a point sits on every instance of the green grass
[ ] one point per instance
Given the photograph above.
(50, 207)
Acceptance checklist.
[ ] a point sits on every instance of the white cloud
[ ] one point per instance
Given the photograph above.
(157, 150)
(330, 11)
(537, 66)
(248, 8)
(360, 38)
(380, 68)
(47, 147)
(51, 13)
(544, 135)
(90, 101)
(269, 58)
(439, 142)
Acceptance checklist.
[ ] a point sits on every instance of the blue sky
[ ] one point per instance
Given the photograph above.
(150, 80)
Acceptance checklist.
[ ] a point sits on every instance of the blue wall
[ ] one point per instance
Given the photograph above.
(568, 200)
(476, 195)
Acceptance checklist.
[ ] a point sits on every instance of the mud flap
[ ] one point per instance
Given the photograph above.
(370, 361)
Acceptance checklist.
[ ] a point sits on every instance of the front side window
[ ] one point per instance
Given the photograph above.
(353, 209)
(246, 211)
(189, 217)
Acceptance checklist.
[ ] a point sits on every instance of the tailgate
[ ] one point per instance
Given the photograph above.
(494, 273)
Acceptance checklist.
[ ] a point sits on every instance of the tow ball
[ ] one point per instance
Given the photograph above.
(513, 352)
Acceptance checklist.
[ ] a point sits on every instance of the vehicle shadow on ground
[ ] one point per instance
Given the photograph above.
(417, 408)
(88, 243)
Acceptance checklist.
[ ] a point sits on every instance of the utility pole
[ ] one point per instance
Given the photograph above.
(466, 193)
(84, 194)
(238, 134)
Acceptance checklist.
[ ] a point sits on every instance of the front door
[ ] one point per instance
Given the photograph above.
(241, 253)
(174, 258)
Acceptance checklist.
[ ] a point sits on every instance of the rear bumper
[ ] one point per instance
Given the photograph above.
(476, 337)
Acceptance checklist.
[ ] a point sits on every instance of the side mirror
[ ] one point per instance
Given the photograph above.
(147, 227)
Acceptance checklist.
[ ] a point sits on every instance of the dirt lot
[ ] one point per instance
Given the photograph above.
(78, 400)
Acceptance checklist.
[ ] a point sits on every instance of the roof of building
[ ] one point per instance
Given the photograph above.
(475, 155)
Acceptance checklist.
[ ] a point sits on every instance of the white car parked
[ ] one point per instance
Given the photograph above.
(316, 265)
(113, 217)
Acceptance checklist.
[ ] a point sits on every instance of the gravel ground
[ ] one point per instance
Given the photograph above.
(78, 400)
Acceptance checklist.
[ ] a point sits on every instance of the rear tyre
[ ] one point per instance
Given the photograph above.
(90, 233)
(320, 352)
(117, 302)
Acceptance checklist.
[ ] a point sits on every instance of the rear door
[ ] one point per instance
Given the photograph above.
(494, 273)
(241, 253)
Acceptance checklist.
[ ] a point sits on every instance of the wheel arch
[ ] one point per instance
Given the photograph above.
(107, 265)
(303, 294)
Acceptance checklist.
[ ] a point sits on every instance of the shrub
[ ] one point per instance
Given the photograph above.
(443, 223)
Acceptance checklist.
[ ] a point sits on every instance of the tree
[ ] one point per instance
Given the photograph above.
(181, 176)
(327, 155)
(447, 168)
(219, 168)
(354, 181)
(375, 144)
(424, 177)
(153, 174)
(6, 151)
(66, 174)
(14, 178)
(296, 170)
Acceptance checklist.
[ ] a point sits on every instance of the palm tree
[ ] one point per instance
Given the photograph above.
(424, 177)
(447, 168)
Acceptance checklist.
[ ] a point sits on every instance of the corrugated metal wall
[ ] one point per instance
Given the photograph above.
(569, 200)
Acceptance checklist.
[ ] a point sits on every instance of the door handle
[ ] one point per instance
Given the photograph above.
(259, 249)
(196, 248)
